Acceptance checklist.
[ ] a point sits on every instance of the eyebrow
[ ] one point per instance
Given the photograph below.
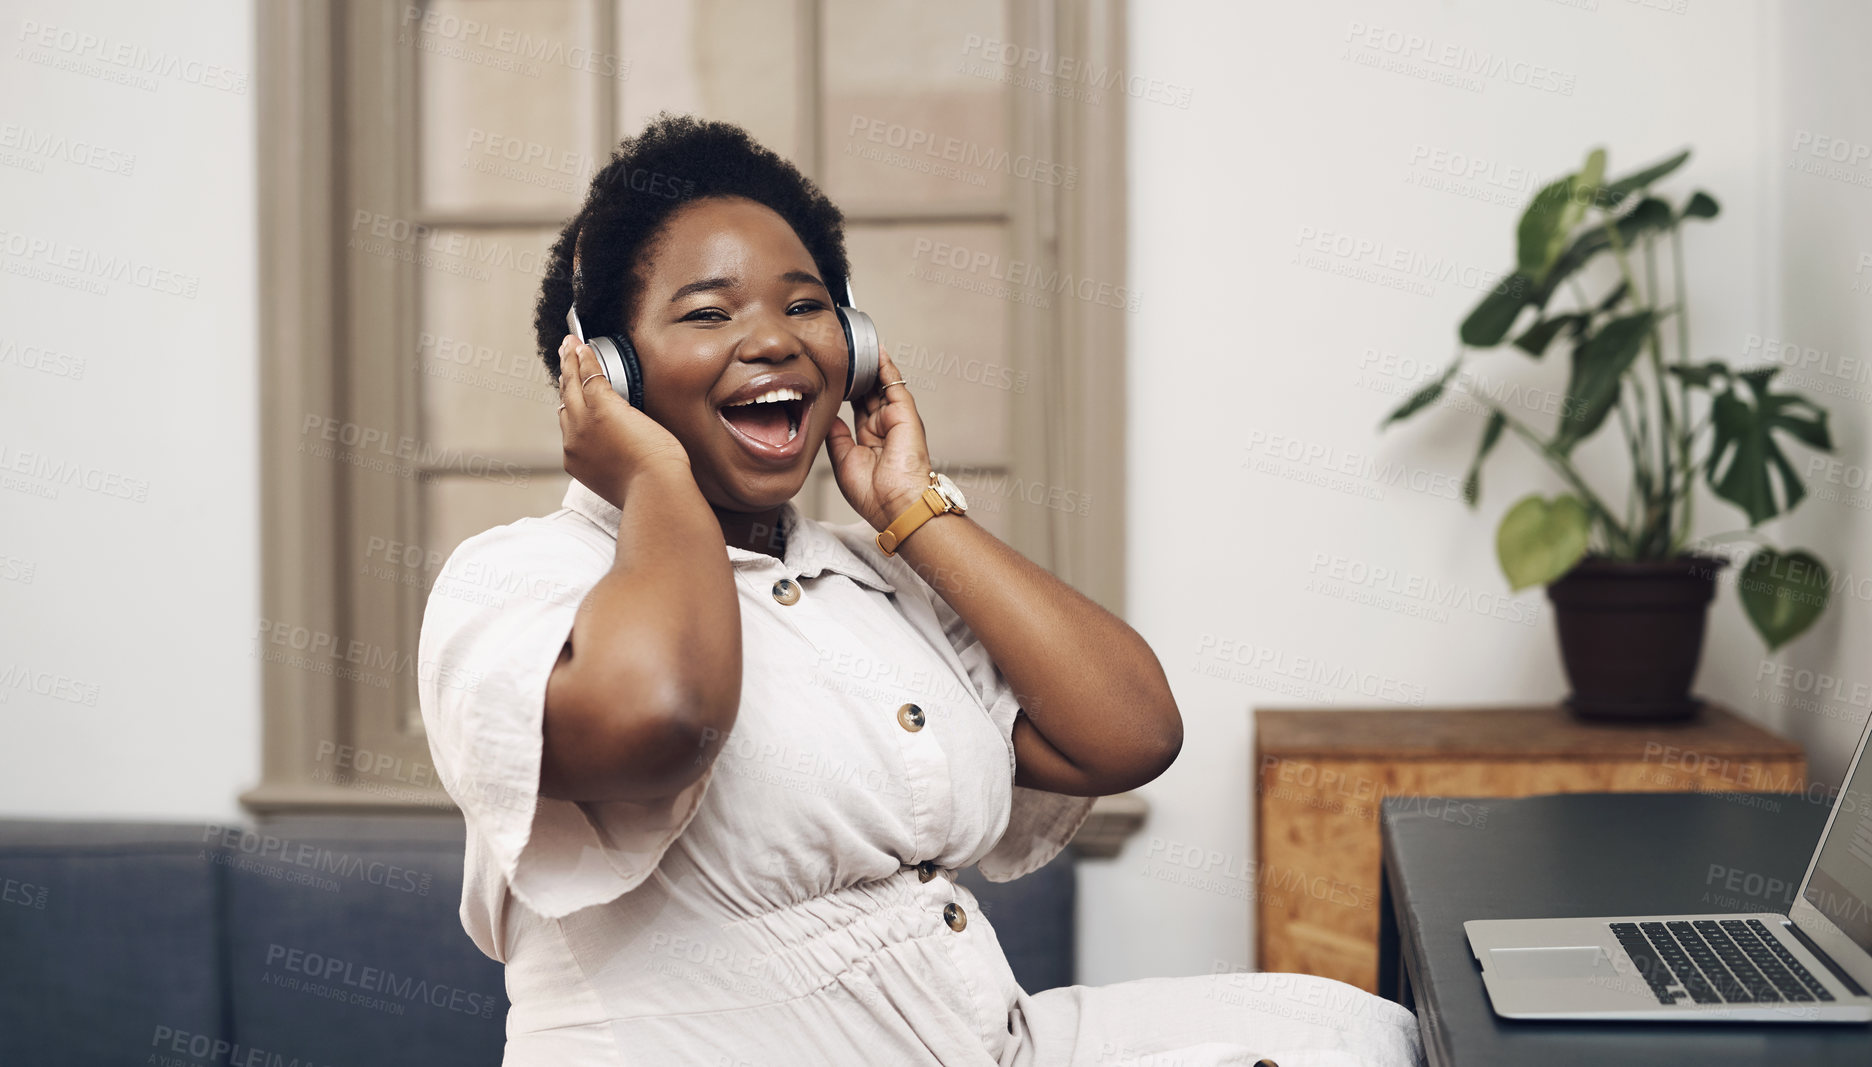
(708, 285)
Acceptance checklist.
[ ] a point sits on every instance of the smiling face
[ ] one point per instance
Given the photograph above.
(731, 309)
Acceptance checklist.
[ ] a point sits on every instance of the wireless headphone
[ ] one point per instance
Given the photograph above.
(618, 359)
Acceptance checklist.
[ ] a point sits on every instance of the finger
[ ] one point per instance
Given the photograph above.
(838, 442)
(868, 428)
(568, 366)
(566, 345)
(885, 411)
(898, 394)
(592, 376)
(559, 386)
(888, 372)
(852, 465)
(571, 372)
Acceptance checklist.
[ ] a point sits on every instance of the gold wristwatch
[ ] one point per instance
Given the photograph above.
(941, 497)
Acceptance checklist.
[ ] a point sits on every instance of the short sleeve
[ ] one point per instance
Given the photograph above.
(497, 618)
(1040, 823)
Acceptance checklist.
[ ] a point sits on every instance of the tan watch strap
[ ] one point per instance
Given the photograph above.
(927, 507)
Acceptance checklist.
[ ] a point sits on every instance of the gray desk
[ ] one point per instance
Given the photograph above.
(1587, 854)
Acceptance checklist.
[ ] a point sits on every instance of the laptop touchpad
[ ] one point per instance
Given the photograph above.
(1572, 961)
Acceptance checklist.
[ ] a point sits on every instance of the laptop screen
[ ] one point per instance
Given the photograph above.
(1841, 885)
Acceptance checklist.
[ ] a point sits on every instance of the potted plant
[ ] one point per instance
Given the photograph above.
(1629, 590)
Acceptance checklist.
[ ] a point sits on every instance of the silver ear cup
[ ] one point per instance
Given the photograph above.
(619, 363)
(618, 370)
(861, 339)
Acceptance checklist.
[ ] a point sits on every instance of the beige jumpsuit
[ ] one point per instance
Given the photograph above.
(796, 905)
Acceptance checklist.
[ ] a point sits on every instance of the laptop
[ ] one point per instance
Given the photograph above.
(1813, 964)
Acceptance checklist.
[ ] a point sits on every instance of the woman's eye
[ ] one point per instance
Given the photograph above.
(806, 306)
(706, 315)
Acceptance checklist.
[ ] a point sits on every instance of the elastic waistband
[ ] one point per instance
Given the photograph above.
(805, 946)
(682, 961)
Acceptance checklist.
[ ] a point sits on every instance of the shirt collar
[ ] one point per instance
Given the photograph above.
(811, 546)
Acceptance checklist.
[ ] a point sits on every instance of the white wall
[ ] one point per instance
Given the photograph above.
(1240, 347)
(129, 538)
(1824, 270)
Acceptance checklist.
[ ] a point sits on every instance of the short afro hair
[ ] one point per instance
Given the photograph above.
(674, 161)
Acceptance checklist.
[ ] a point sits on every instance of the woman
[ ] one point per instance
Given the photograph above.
(721, 767)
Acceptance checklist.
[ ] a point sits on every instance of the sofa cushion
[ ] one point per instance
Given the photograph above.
(344, 945)
(110, 936)
(320, 941)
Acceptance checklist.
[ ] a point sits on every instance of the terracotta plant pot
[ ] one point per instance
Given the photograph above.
(1631, 634)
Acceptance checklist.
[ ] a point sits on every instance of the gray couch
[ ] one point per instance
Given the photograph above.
(309, 940)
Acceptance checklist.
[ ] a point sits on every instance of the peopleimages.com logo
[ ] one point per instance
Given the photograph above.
(334, 972)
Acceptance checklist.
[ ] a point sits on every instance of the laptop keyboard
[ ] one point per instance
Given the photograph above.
(1712, 961)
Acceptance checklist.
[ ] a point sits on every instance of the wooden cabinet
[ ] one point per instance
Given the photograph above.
(1320, 775)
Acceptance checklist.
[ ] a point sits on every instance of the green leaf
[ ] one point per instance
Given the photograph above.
(1538, 542)
(1783, 595)
(1553, 214)
(1495, 315)
(1759, 377)
(1538, 336)
(1591, 177)
(1744, 450)
(1545, 227)
(1472, 485)
(1610, 195)
(1612, 299)
(1599, 365)
(1701, 206)
(1702, 374)
(1424, 397)
(1649, 214)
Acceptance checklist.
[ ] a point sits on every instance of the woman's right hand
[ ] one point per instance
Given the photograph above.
(650, 676)
(607, 442)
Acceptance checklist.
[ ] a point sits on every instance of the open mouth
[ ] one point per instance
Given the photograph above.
(771, 419)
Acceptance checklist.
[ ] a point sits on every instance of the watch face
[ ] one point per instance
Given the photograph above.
(950, 493)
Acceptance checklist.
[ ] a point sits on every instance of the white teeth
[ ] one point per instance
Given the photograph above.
(770, 396)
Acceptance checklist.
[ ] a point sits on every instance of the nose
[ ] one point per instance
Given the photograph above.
(776, 337)
(770, 338)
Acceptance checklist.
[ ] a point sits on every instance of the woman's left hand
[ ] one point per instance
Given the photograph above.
(885, 467)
